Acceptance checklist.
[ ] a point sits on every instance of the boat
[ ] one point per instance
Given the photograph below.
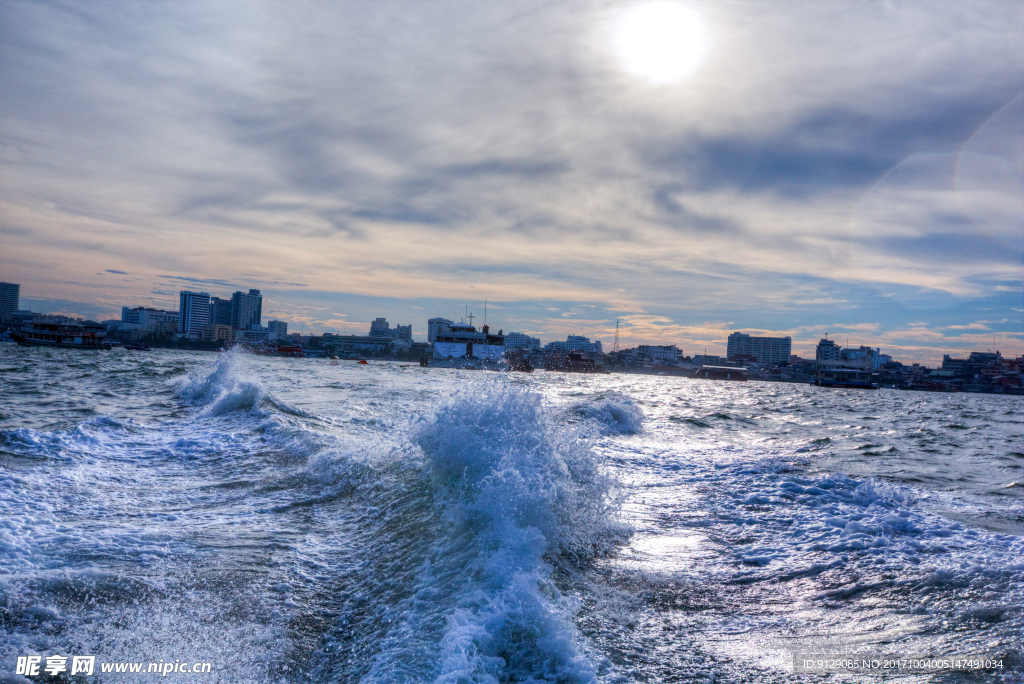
(87, 335)
(462, 342)
(849, 378)
(517, 362)
(462, 346)
(574, 363)
(732, 373)
(137, 347)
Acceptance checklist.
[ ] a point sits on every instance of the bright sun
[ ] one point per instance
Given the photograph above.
(660, 41)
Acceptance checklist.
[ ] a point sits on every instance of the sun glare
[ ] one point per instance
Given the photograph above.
(660, 42)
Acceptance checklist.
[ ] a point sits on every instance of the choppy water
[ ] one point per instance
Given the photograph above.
(292, 521)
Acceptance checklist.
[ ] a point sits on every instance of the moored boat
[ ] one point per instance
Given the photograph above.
(575, 363)
(87, 335)
(849, 378)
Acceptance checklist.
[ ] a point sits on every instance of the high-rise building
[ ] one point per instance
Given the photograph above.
(220, 311)
(9, 294)
(246, 309)
(765, 349)
(827, 352)
(436, 327)
(194, 311)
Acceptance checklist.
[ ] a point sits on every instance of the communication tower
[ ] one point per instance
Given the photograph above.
(615, 347)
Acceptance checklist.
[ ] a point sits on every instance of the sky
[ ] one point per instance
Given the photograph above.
(689, 169)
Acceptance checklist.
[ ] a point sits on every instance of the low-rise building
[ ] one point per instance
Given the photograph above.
(150, 319)
(573, 343)
(659, 354)
(518, 340)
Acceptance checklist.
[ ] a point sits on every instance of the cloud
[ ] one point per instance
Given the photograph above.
(429, 150)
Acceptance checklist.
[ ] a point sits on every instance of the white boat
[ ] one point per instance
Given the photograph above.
(462, 341)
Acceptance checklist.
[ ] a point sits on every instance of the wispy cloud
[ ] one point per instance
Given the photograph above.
(860, 158)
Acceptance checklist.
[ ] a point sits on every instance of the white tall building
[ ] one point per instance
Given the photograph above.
(194, 310)
(765, 349)
(827, 353)
(437, 327)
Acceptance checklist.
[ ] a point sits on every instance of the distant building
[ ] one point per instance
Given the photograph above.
(381, 328)
(708, 360)
(437, 327)
(220, 311)
(221, 332)
(830, 355)
(863, 357)
(661, 354)
(765, 350)
(516, 340)
(9, 295)
(573, 343)
(153, 320)
(246, 310)
(827, 352)
(194, 310)
(278, 330)
(255, 334)
(356, 344)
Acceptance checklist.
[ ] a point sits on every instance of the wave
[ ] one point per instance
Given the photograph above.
(498, 496)
(228, 388)
(613, 413)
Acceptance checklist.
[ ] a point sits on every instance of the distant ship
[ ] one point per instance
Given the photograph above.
(462, 341)
(87, 335)
(721, 373)
(850, 378)
(574, 363)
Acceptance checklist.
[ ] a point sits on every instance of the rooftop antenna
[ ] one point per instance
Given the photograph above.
(485, 312)
(615, 347)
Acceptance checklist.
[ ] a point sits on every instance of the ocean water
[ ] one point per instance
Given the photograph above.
(291, 521)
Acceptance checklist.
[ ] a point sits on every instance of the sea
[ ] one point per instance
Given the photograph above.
(288, 520)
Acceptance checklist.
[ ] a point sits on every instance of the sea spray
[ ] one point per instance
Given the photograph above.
(518, 489)
(612, 413)
(493, 493)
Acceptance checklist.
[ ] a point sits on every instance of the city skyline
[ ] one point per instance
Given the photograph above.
(847, 169)
(806, 350)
